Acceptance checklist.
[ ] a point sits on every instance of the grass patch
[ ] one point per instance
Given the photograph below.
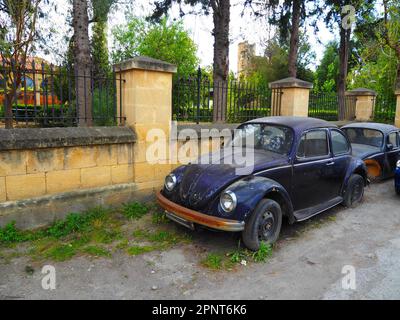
(213, 261)
(60, 252)
(159, 218)
(97, 251)
(163, 238)
(137, 250)
(134, 210)
(263, 253)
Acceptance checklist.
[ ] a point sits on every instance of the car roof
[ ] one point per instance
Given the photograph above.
(297, 123)
(385, 128)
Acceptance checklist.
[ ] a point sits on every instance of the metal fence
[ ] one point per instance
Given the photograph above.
(385, 108)
(48, 96)
(325, 105)
(194, 98)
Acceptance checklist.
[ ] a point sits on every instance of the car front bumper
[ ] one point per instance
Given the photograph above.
(198, 217)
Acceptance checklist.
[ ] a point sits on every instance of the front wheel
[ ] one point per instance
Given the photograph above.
(263, 225)
(354, 191)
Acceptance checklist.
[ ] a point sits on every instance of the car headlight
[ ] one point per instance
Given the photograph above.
(228, 201)
(170, 182)
(398, 164)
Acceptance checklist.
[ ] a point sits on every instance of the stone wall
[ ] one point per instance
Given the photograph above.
(51, 163)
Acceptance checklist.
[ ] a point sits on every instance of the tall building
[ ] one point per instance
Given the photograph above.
(245, 52)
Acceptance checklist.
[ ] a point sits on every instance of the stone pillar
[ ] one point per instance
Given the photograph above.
(294, 98)
(364, 103)
(397, 117)
(146, 92)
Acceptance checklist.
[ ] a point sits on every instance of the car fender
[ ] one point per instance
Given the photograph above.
(251, 190)
(356, 166)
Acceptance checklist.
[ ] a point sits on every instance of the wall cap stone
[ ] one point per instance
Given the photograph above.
(36, 138)
(290, 82)
(145, 63)
(361, 92)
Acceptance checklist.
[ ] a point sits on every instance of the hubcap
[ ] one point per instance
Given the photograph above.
(266, 226)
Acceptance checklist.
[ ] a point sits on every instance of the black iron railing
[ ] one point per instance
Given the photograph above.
(194, 99)
(323, 105)
(48, 96)
(385, 108)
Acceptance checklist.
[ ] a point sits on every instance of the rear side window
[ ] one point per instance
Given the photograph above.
(393, 139)
(313, 144)
(339, 143)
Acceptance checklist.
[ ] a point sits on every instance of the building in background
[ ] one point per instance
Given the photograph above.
(246, 52)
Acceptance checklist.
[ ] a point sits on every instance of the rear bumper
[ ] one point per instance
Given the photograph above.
(198, 217)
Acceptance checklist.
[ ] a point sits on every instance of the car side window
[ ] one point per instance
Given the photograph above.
(393, 139)
(339, 143)
(313, 144)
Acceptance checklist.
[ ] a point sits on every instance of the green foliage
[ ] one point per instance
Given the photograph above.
(103, 107)
(75, 222)
(137, 250)
(101, 64)
(213, 261)
(166, 41)
(10, 234)
(134, 210)
(274, 65)
(97, 251)
(263, 253)
(327, 72)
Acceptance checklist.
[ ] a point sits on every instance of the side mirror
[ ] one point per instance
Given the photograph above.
(389, 146)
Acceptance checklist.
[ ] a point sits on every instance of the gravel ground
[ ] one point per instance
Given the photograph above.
(306, 263)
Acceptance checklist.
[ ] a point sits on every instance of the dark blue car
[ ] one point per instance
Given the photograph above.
(302, 166)
(377, 144)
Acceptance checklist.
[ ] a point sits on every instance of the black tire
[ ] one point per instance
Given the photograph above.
(354, 191)
(263, 225)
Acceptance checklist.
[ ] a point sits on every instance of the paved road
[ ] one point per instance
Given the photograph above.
(306, 264)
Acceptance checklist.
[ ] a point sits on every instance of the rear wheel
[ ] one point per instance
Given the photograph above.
(354, 191)
(263, 225)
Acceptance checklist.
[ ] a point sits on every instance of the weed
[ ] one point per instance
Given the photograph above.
(263, 253)
(10, 234)
(97, 251)
(159, 218)
(134, 210)
(212, 261)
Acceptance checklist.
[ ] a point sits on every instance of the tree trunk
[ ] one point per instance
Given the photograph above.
(294, 39)
(82, 63)
(221, 17)
(343, 66)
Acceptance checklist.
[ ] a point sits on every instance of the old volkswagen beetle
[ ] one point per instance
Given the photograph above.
(377, 144)
(302, 166)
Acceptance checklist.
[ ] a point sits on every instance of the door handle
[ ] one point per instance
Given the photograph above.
(330, 163)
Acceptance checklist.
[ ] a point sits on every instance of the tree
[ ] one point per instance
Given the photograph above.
(391, 32)
(342, 14)
(165, 41)
(82, 62)
(17, 34)
(221, 19)
(99, 44)
(274, 64)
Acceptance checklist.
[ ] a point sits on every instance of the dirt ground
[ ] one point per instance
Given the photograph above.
(306, 263)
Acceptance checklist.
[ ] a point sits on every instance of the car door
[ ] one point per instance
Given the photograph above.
(341, 157)
(312, 170)
(392, 152)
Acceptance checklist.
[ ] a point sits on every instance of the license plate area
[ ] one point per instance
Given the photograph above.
(180, 220)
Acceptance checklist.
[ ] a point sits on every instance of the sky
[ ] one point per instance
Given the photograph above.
(199, 26)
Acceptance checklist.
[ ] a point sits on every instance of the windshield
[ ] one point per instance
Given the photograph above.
(267, 137)
(369, 137)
